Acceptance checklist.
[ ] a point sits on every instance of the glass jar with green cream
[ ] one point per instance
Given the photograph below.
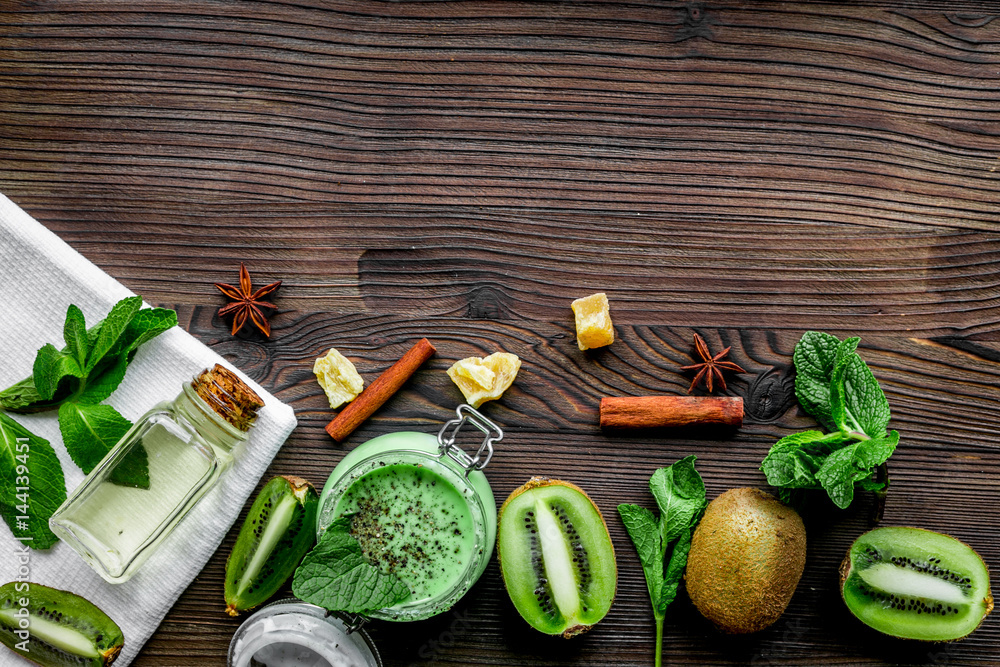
(423, 510)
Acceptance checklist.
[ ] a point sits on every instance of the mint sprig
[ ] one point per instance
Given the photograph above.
(336, 576)
(75, 380)
(680, 496)
(834, 385)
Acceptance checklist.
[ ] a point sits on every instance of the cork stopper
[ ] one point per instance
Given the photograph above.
(229, 396)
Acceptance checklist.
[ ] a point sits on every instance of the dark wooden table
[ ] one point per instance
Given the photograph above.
(462, 170)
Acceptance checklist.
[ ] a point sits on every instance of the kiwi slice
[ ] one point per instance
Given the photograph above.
(56, 628)
(916, 584)
(556, 557)
(277, 533)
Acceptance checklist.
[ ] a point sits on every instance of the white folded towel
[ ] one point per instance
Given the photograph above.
(41, 277)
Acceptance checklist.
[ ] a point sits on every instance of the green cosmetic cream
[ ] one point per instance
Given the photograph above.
(417, 514)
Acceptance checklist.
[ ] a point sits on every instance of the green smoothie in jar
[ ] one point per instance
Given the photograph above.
(422, 510)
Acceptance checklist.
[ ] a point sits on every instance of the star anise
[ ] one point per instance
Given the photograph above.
(247, 304)
(709, 365)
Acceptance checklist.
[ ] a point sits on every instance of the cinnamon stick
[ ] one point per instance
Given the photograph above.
(632, 412)
(379, 391)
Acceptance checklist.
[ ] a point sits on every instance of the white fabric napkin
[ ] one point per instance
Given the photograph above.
(41, 277)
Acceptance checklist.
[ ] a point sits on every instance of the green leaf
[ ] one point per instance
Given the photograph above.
(857, 402)
(90, 431)
(869, 484)
(39, 480)
(865, 400)
(680, 495)
(644, 530)
(75, 335)
(146, 325)
(852, 464)
(133, 469)
(675, 570)
(835, 385)
(61, 379)
(20, 395)
(813, 358)
(793, 461)
(51, 367)
(873, 453)
(111, 329)
(836, 476)
(336, 576)
(838, 392)
(103, 380)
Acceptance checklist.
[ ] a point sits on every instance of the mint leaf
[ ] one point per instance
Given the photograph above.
(146, 325)
(835, 385)
(103, 380)
(111, 329)
(336, 576)
(865, 400)
(842, 419)
(836, 476)
(20, 395)
(59, 376)
(133, 469)
(680, 495)
(75, 335)
(793, 461)
(51, 367)
(873, 453)
(675, 570)
(644, 530)
(852, 464)
(857, 400)
(31, 483)
(90, 431)
(814, 358)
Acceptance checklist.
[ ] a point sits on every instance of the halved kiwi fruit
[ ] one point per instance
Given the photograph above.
(556, 557)
(916, 584)
(277, 533)
(56, 628)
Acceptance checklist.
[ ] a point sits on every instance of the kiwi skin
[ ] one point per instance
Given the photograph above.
(538, 482)
(845, 572)
(747, 556)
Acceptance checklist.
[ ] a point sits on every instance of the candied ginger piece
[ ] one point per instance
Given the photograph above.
(484, 379)
(593, 321)
(338, 377)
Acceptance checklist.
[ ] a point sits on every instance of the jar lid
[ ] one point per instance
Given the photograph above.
(230, 397)
(291, 632)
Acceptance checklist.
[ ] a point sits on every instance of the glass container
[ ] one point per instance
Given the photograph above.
(422, 509)
(156, 473)
(292, 633)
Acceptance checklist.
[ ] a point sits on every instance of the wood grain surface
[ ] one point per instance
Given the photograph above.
(462, 170)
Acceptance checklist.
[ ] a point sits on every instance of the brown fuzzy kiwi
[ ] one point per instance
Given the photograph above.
(747, 556)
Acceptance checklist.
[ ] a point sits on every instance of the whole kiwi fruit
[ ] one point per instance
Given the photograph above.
(746, 558)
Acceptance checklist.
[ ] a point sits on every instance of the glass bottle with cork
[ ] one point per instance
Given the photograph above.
(156, 473)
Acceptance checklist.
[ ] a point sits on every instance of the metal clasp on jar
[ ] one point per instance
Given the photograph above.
(449, 433)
